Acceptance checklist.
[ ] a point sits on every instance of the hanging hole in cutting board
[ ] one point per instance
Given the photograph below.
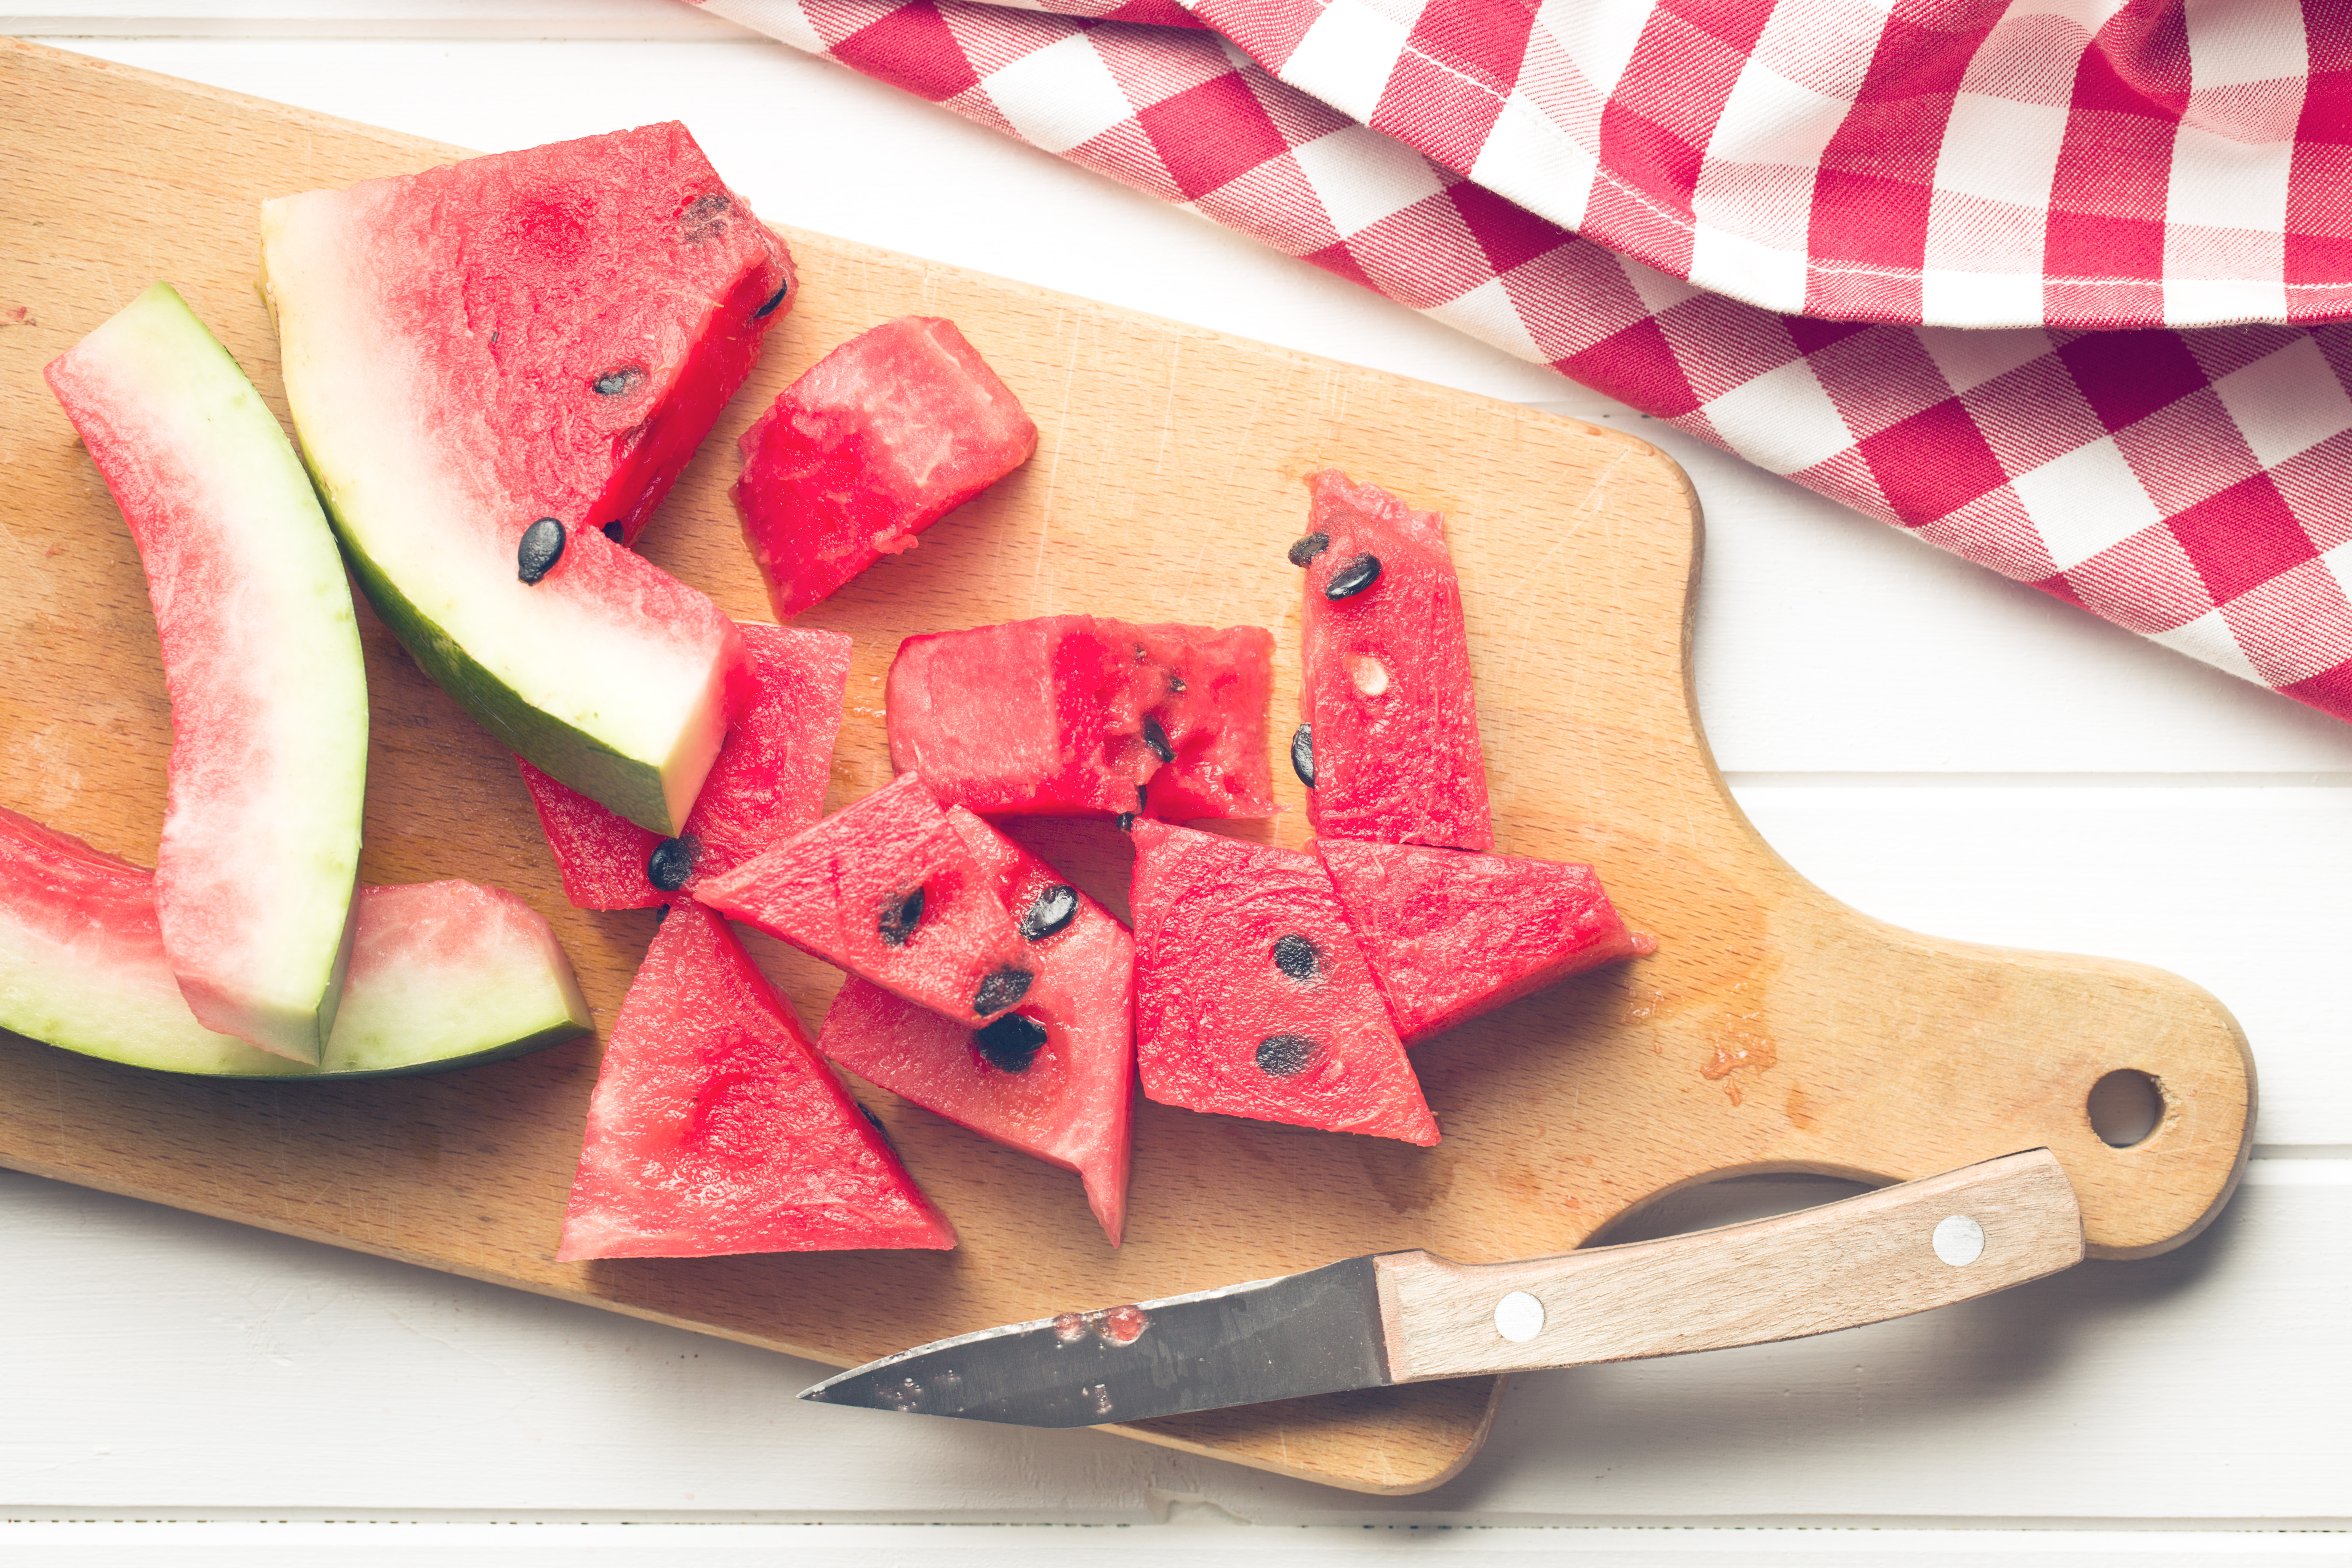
(2125, 1107)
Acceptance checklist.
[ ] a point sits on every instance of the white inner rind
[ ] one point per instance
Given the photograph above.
(106, 991)
(418, 509)
(261, 845)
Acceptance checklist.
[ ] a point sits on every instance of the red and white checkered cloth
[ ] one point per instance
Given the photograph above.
(2068, 163)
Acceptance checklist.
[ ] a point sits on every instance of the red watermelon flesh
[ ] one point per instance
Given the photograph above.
(886, 889)
(1072, 714)
(594, 396)
(1062, 1096)
(1387, 692)
(1207, 688)
(716, 1129)
(1028, 716)
(1251, 996)
(767, 783)
(879, 440)
(1450, 935)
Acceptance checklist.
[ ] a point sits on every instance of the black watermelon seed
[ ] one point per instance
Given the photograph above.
(1001, 989)
(1286, 1055)
(616, 533)
(764, 312)
(1307, 548)
(542, 548)
(1175, 682)
(1011, 1044)
(1302, 754)
(620, 382)
(1055, 907)
(671, 864)
(898, 920)
(1124, 821)
(1353, 578)
(1155, 736)
(1299, 957)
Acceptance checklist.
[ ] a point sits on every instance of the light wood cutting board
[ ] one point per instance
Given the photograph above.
(1773, 1030)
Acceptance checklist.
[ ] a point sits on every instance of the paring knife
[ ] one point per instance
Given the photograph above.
(1407, 1317)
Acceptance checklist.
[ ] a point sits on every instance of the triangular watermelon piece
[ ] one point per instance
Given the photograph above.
(767, 784)
(1054, 1077)
(1391, 742)
(886, 889)
(880, 439)
(1251, 996)
(1450, 935)
(716, 1129)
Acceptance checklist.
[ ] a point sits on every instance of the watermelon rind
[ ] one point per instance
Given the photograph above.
(260, 846)
(441, 336)
(444, 975)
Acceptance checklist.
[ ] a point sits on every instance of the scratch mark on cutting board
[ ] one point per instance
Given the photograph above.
(1593, 504)
(1038, 576)
(1175, 341)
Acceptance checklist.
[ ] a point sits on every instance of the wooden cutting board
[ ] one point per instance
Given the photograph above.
(1773, 1030)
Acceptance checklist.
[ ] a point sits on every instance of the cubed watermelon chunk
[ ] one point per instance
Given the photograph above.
(498, 367)
(1450, 935)
(1051, 1078)
(442, 974)
(1391, 732)
(716, 1129)
(255, 876)
(887, 888)
(1040, 716)
(1251, 996)
(1080, 715)
(880, 439)
(767, 784)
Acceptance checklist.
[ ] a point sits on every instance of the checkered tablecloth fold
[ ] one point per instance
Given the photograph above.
(2188, 483)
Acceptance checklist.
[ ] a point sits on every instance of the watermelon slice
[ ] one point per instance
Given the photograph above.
(716, 1129)
(496, 367)
(880, 439)
(1051, 1078)
(767, 784)
(1450, 935)
(1081, 714)
(886, 889)
(1390, 750)
(1251, 996)
(442, 975)
(260, 850)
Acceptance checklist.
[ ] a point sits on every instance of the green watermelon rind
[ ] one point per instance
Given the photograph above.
(627, 785)
(444, 974)
(211, 490)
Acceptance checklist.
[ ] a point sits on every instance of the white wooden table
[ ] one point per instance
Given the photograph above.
(1933, 745)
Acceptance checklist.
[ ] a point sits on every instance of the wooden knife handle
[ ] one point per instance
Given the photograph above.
(1885, 1254)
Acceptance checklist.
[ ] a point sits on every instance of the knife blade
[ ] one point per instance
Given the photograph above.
(1408, 1317)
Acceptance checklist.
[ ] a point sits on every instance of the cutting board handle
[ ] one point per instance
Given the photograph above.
(1885, 1254)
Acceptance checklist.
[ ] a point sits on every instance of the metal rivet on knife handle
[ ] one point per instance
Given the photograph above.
(1518, 1317)
(1959, 1241)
